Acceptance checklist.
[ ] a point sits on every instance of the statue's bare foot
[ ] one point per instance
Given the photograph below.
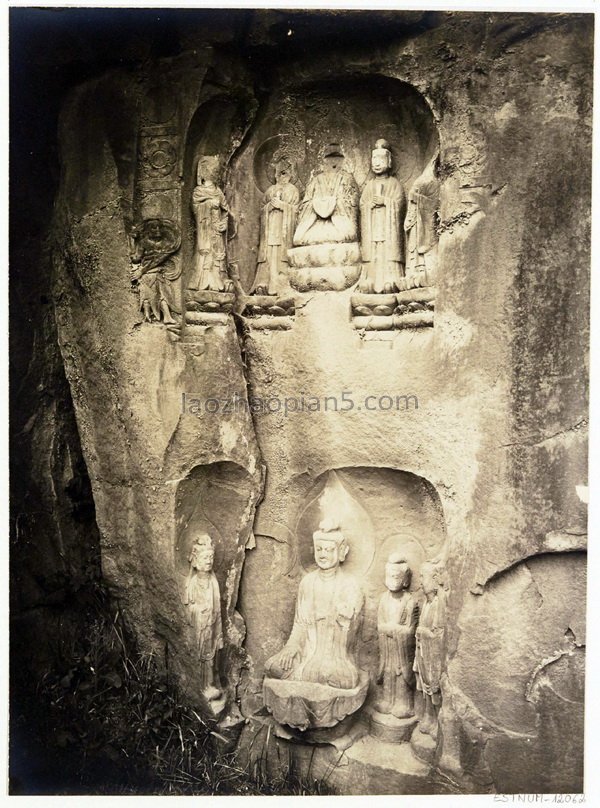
(401, 711)
(211, 693)
(388, 289)
(384, 707)
(166, 314)
(260, 290)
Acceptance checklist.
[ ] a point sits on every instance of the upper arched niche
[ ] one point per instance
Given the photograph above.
(216, 129)
(299, 120)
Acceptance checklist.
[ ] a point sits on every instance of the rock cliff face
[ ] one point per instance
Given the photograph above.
(460, 439)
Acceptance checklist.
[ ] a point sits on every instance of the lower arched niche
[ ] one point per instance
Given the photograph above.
(380, 510)
(215, 499)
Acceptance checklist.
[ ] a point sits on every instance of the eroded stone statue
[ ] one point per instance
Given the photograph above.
(430, 646)
(202, 598)
(396, 625)
(154, 271)
(277, 224)
(211, 212)
(328, 212)
(382, 206)
(420, 228)
(314, 680)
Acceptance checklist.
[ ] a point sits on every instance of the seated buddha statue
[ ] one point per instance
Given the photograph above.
(314, 680)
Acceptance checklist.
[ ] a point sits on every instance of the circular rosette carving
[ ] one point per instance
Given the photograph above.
(160, 158)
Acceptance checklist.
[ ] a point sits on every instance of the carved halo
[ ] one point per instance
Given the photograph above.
(276, 147)
(334, 503)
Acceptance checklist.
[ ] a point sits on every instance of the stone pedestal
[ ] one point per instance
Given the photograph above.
(423, 745)
(389, 728)
(324, 267)
(412, 308)
(270, 311)
(206, 307)
(309, 705)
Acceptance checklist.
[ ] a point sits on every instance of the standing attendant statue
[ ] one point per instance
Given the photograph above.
(430, 647)
(382, 206)
(202, 598)
(211, 212)
(396, 624)
(277, 223)
(420, 227)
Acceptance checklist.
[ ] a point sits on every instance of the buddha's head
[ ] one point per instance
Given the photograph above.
(429, 579)
(330, 546)
(397, 573)
(209, 168)
(333, 157)
(381, 158)
(283, 170)
(203, 553)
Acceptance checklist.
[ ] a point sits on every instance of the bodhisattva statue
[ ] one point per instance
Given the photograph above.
(277, 223)
(202, 598)
(396, 624)
(382, 206)
(430, 647)
(211, 212)
(155, 272)
(314, 680)
(328, 211)
(420, 227)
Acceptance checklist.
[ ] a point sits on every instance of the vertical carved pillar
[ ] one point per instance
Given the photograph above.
(158, 202)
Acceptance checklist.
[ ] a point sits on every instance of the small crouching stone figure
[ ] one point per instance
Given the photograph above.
(396, 624)
(430, 647)
(202, 598)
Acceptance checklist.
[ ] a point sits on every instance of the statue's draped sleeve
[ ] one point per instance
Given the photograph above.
(394, 197)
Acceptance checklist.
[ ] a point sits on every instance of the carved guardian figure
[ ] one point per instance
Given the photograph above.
(155, 271)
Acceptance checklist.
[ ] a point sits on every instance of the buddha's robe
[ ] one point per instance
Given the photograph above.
(203, 600)
(276, 233)
(382, 237)
(396, 624)
(328, 212)
(209, 269)
(327, 620)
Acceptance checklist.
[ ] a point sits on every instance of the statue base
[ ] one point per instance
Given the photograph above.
(342, 736)
(309, 705)
(216, 705)
(389, 728)
(206, 307)
(329, 267)
(386, 312)
(274, 305)
(423, 745)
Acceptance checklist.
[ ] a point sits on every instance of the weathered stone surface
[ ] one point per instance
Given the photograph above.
(461, 437)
